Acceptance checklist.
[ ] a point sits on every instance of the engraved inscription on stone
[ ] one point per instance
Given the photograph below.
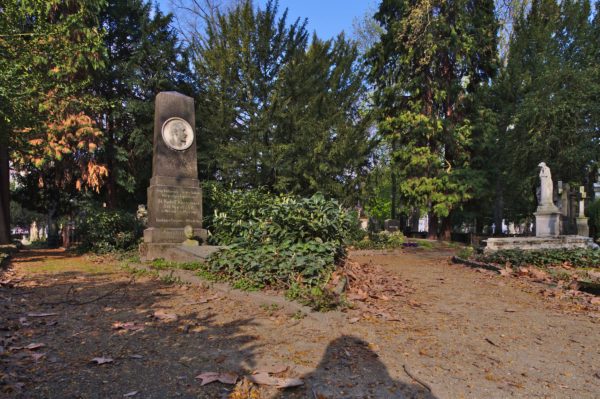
(177, 134)
(178, 205)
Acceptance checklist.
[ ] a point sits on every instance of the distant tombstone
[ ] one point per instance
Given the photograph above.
(547, 216)
(33, 232)
(174, 195)
(391, 225)
(597, 187)
(582, 222)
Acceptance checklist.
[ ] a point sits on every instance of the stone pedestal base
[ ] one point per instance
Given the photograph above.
(171, 235)
(547, 224)
(176, 252)
(582, 227)
(538, 243)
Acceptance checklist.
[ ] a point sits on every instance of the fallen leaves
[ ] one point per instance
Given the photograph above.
(128, 326)
(41, 314)
(374, 290)
(102, 360)
(163, 316)
(266, 378)
(210, 376)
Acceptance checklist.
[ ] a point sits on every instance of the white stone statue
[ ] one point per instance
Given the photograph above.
(33, 232)
(546, 185)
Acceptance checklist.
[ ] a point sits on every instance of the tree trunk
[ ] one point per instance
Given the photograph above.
(498, 210)
(433, 226)
(4, 193)
(446, 232)
(394, 189)
(111, 182)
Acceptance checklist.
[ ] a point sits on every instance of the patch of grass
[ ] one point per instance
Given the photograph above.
(466, 252)
(298, 315)
(68, 263)
(271, 309)
(245, 284)
(170, 279)
(317, 298)
(382, 240)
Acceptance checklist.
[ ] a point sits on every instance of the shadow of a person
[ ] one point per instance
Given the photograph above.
(349, 369)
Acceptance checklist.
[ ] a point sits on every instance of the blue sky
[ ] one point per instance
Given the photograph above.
(326, 17)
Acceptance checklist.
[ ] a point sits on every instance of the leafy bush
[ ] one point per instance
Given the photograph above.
(277, 264)
(255, 217)
(382, 240)
(104, 230)
(593, 212)
(5, 252)
(574, 257)
(276, 240)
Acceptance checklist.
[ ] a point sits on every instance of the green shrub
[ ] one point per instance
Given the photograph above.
(593, 212)
(382, 240)
(575, 257)
(104, 230)
(256, 217)
(277, 240)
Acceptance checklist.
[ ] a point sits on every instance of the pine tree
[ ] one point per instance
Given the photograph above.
(548, 95)
(427, 67)
(275, 111)
(144, 57)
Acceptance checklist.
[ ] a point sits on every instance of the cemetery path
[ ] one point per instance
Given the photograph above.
(462, 333)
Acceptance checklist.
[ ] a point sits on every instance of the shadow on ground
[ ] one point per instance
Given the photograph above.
(157, 357)
(349, 369)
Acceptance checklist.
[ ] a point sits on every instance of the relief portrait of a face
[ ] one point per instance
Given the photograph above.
(177, 134)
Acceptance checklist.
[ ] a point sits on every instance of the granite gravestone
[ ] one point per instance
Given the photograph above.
(174, 195)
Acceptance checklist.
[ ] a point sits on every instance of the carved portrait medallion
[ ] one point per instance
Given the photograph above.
(177, 134)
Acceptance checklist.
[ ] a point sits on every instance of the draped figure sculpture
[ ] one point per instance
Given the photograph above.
(546, 185)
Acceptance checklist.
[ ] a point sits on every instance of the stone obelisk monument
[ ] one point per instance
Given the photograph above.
(174, 195)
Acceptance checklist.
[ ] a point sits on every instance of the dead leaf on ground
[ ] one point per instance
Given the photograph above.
(34, 346)
(130, 394)
(37, 356)
(507, 271)
(161, 315)
(276, 369)
(264, 378)
(353, 320)
(211, 376)
(41, 314)
(102, 360)
(129, 326)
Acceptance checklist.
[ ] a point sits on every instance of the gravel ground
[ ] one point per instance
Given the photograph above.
(455, 332)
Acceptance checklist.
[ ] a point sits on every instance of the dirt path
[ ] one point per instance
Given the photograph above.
(461, 332)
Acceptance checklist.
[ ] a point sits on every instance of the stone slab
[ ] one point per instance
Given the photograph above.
(547, 224)
(538, 243)
(176, 252)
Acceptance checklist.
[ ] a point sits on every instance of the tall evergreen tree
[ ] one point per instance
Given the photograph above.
(432, 58)
(143, 57)
(275, 111)
(547, 97)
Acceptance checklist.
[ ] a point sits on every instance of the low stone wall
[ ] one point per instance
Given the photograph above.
(538, 243)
